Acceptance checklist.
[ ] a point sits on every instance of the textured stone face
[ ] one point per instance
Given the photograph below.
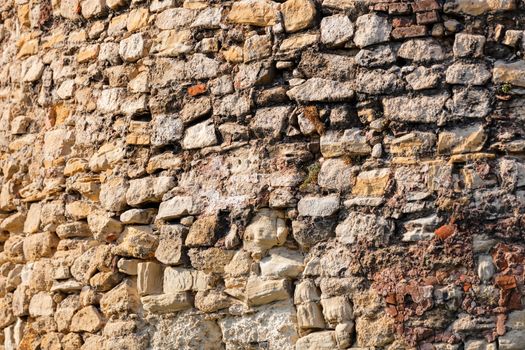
(297, 14)
(371, 29)
(262, 174)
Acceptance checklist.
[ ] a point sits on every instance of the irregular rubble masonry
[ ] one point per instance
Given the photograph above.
(255, 174)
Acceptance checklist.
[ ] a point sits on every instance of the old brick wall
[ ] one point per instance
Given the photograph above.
(256, 174)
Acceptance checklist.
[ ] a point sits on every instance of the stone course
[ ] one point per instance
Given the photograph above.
(262, 174)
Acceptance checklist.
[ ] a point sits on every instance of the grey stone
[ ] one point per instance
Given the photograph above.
(420, 229)
(335, 174)
(376, 56)
(371, 29)
(348, 142)
(174, 18)
(378, 81)
(318, 206)
(336, 30)
(513, 340)
(308, 231)
(175, 207)
(422, 50)
(133, 48)
(166, 129)
(367, 227)
(327, 66)
(270, 121)
(469, 45)
(200, 135)
(467, 74)
(423, 78)
(418, 108)
(202, 67)
(209, 18)
(486, 268)
(470, 102)
(321, 90)
(233, 105)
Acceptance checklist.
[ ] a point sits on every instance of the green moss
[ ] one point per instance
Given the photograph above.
(505, 88)
(311, 177)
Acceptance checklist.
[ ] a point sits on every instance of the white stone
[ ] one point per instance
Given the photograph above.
(371, 29)
(200, 135)
(133, 48)
(282, 262)
(176, 207)
(318, 206)
(41, 304)
(336, 30)
(32, 69)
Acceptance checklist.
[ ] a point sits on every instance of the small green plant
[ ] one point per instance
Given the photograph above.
(311, 177)
(505, 88)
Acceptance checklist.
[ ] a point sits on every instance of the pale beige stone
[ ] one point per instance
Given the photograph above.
(41, 304)
(120, 300)
(337, 310)
(266, 230)
(166, 303)
(136, 242)
(148, 189)
(259, 292)
(73, 229)
(371, 183)
(310, 316)
(137, 18)
(375, 331)
(39, 245)
(87, 319)
(32, 223)
(254, 12)
(298, 14)
(149, 279)
(171, 239)
(509, 73)
(6, 311)
(104, 228)
(14, 223)
(462, 140)
(113, 194)
(211, 300)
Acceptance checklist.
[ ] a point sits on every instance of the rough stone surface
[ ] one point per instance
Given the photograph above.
(262, 174)
(371, 29)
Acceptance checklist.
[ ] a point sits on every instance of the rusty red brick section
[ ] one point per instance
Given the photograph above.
(425, 5)
(409, 32)
(427, 17)
(402, 22)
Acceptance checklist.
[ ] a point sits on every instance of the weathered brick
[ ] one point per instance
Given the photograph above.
(379, 7)
(409, 32)
(402, 22)
(425, 5)
(427, 17)
(401, 8)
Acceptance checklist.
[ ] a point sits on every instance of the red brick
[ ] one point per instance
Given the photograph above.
(380, 7)
(383, 1)
(196, 90)
(400, 8)
(427, 17)
(409, 32)
(425, 5)
(402, 22)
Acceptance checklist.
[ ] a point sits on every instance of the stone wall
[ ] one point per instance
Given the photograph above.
(255, 174)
